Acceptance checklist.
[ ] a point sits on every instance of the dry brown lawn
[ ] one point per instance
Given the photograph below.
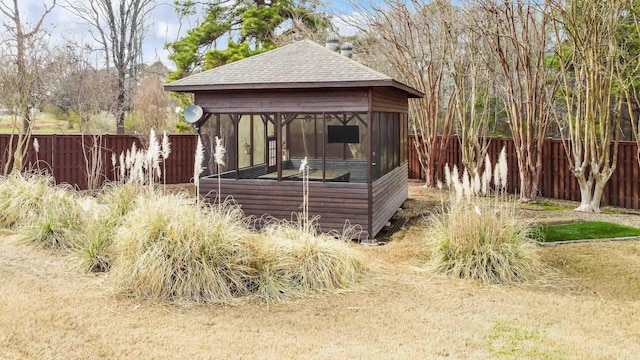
(588, 308)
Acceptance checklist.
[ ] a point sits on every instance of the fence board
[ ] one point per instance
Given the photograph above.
(557, 180)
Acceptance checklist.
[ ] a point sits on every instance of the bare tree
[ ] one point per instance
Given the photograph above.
(591, 61)
(518, 34)
(408, 40)
(151, 103)
(119, 27)
(80, 89)
(471, 73)
(24, 65)
(628, 72)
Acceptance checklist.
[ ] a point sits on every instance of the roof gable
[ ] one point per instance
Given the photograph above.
(303, 64)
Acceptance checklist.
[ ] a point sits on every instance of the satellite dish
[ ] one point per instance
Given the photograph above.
(192, 114)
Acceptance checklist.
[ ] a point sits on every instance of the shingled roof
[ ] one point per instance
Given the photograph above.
(300, 65)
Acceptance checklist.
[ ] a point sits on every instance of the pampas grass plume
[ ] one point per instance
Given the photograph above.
(486, 175)
(496, 176)
(123, 166)
(466, 183)
(166, 146)
(153, 156)
(303, 164)
(457, 185)
(447, 175)
(219, 153)
(504, 169)
(197, 166)
(128, 159)
(477, 183)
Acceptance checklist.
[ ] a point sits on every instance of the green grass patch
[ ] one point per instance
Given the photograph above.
(508, 340)
(545, 206)
(586, 230)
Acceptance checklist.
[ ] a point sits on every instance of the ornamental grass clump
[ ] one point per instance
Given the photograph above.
(109, 211)
(20, 198)
(297, 259)
(485, 242)
(167, 249)
(297, 262)
(43, 214)
(59, 225)
(482, 238)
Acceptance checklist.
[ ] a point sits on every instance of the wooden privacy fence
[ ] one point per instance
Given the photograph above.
(67, 157)
(557, 182)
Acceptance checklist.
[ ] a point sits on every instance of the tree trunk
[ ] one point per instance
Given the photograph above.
(586, 187)
(527, 187)
(597, 196)
(120, 104)
(429, 177)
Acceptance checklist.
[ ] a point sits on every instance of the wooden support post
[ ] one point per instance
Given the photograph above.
(279, 145)
(370, 159)
(325, 140)
(235, 118)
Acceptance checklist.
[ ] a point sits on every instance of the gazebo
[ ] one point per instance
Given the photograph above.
(303, 100)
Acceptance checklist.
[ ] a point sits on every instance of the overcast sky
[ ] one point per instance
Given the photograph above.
(164, 25)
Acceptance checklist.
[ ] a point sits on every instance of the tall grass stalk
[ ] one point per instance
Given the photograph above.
(198, 167)
(36, 147)
(166, 151)
(304, 170)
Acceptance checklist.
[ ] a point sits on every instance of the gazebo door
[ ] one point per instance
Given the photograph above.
(272, 154)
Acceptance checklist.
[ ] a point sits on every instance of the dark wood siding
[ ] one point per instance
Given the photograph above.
(389, 192)
(333, 202)
(390, 100)
(336, 100)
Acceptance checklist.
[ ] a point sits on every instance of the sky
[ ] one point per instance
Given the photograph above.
(164, 25)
